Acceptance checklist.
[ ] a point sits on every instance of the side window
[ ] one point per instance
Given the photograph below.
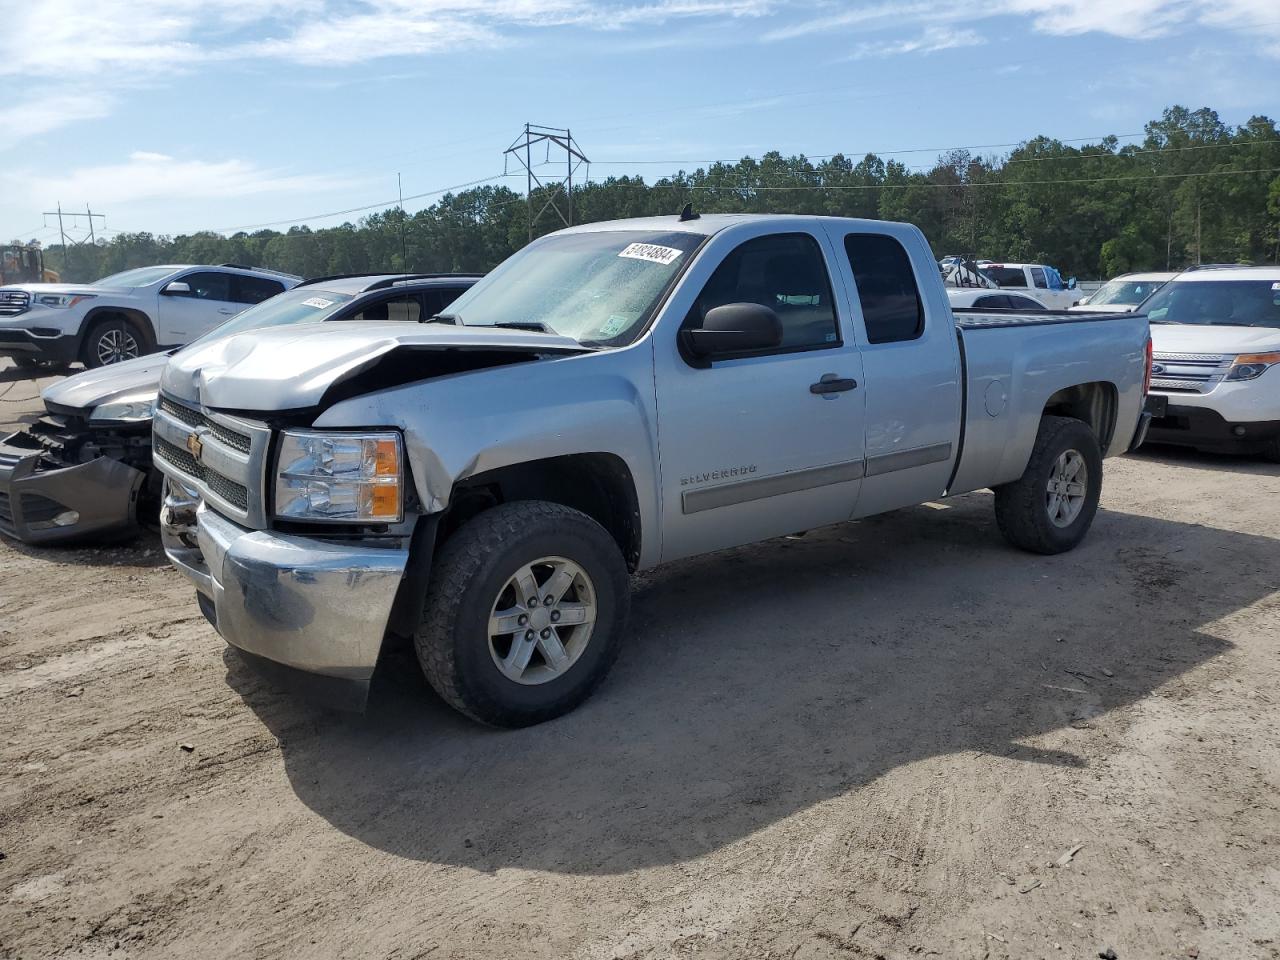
(1038, 278)
(784, 272)
(994, 302)
(254, 289)
(891, 306)
(1025, 303)
(208, 286)
(403, 307)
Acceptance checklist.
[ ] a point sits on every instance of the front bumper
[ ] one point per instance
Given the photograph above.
(63, 503)
(1205, 429)
(39, 344)
(306, 610)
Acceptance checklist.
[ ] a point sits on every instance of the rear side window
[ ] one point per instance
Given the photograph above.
(406, 307)
(996, 301)
(1037, 277)
(1005, 276)
(784, 272)
(891, 307)
(438, 298)
(1024, 303)
(254, 289)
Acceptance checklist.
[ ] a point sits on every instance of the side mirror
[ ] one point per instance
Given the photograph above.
(177, 288)
(1071, 284)
(734, 328)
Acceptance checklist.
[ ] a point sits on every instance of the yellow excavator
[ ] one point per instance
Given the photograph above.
(24, 263)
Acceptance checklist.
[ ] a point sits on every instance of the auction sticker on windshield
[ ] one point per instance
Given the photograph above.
(318, 302)
(651, 252)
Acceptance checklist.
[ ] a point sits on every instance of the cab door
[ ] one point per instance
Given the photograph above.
(770, 443)
(183, 315)
(911, 358)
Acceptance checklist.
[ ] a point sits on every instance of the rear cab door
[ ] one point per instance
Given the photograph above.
(755, 446)
(910, 361)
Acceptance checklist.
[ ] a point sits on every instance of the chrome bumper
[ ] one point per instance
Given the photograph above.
(299, 602)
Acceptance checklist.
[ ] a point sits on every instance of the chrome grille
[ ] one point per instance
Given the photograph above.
(14, 302)
(194, 418)
(220, 457)
(1188, 372)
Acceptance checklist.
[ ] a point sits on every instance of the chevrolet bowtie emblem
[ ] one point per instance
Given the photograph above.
(194, 445)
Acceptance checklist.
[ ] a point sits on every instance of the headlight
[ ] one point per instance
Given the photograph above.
(129, 408)
(1247, 366)
(62, 300)
(344, 477)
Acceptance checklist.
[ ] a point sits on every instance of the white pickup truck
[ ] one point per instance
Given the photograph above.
(1035, 279)
(614, 396)
(128, 314)
(1216, 334)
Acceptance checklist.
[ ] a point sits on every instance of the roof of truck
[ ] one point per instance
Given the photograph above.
(710, 223)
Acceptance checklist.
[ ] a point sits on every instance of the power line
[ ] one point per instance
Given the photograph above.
(382, 204)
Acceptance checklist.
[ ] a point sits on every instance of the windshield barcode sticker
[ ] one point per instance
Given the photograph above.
(318, 302)
(651, 252)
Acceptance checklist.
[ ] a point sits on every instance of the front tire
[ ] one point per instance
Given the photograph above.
(524, 614)
(1050, 508)
(112, 340)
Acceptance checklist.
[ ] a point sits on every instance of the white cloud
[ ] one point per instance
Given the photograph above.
(931, 40)
(52, 109)
(154, 176)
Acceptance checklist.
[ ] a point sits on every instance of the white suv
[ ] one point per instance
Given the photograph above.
(127, 314)
(1216, 336)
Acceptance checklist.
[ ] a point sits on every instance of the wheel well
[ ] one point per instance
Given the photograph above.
(136, 318)
(598, 484)
(1094, 403)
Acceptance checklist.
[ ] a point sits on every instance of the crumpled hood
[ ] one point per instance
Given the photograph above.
(1199, 338)
(290, 368)
(86, 390)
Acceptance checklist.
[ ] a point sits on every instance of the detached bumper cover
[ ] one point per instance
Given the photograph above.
(36, 505)
(1206, 429)
(305, 606)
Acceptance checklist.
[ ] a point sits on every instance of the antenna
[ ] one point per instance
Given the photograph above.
(522, 149)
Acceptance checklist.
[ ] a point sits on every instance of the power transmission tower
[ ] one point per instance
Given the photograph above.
(89, 237)
(522, 149)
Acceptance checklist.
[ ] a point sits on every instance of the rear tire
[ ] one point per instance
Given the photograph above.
(112, 340)
(554, 655)
(1049, 509)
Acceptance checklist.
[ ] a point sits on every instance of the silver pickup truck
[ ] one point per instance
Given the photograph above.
(612, 397)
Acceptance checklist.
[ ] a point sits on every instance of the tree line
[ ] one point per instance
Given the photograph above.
(1194, 190)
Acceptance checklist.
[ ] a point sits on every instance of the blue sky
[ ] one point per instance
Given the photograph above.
(175, 115)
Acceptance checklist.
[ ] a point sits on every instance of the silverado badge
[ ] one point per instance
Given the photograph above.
(194, 445)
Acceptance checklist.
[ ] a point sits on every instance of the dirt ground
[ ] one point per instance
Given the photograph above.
(880, 740)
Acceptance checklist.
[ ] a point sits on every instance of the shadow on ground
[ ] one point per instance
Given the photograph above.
(761, 681)
(1204, 460)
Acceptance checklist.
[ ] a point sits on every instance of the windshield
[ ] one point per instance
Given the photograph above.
(595, 287)
(303, 305)
(1127, 293)
(1219, 303)
(134, 278)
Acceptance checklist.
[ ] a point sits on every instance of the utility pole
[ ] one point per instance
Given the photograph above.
(522, 150)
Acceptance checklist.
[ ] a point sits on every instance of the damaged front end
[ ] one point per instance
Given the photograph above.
(67, 478)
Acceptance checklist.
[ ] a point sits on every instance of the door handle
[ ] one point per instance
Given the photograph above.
(226, 312)
(833, 383)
